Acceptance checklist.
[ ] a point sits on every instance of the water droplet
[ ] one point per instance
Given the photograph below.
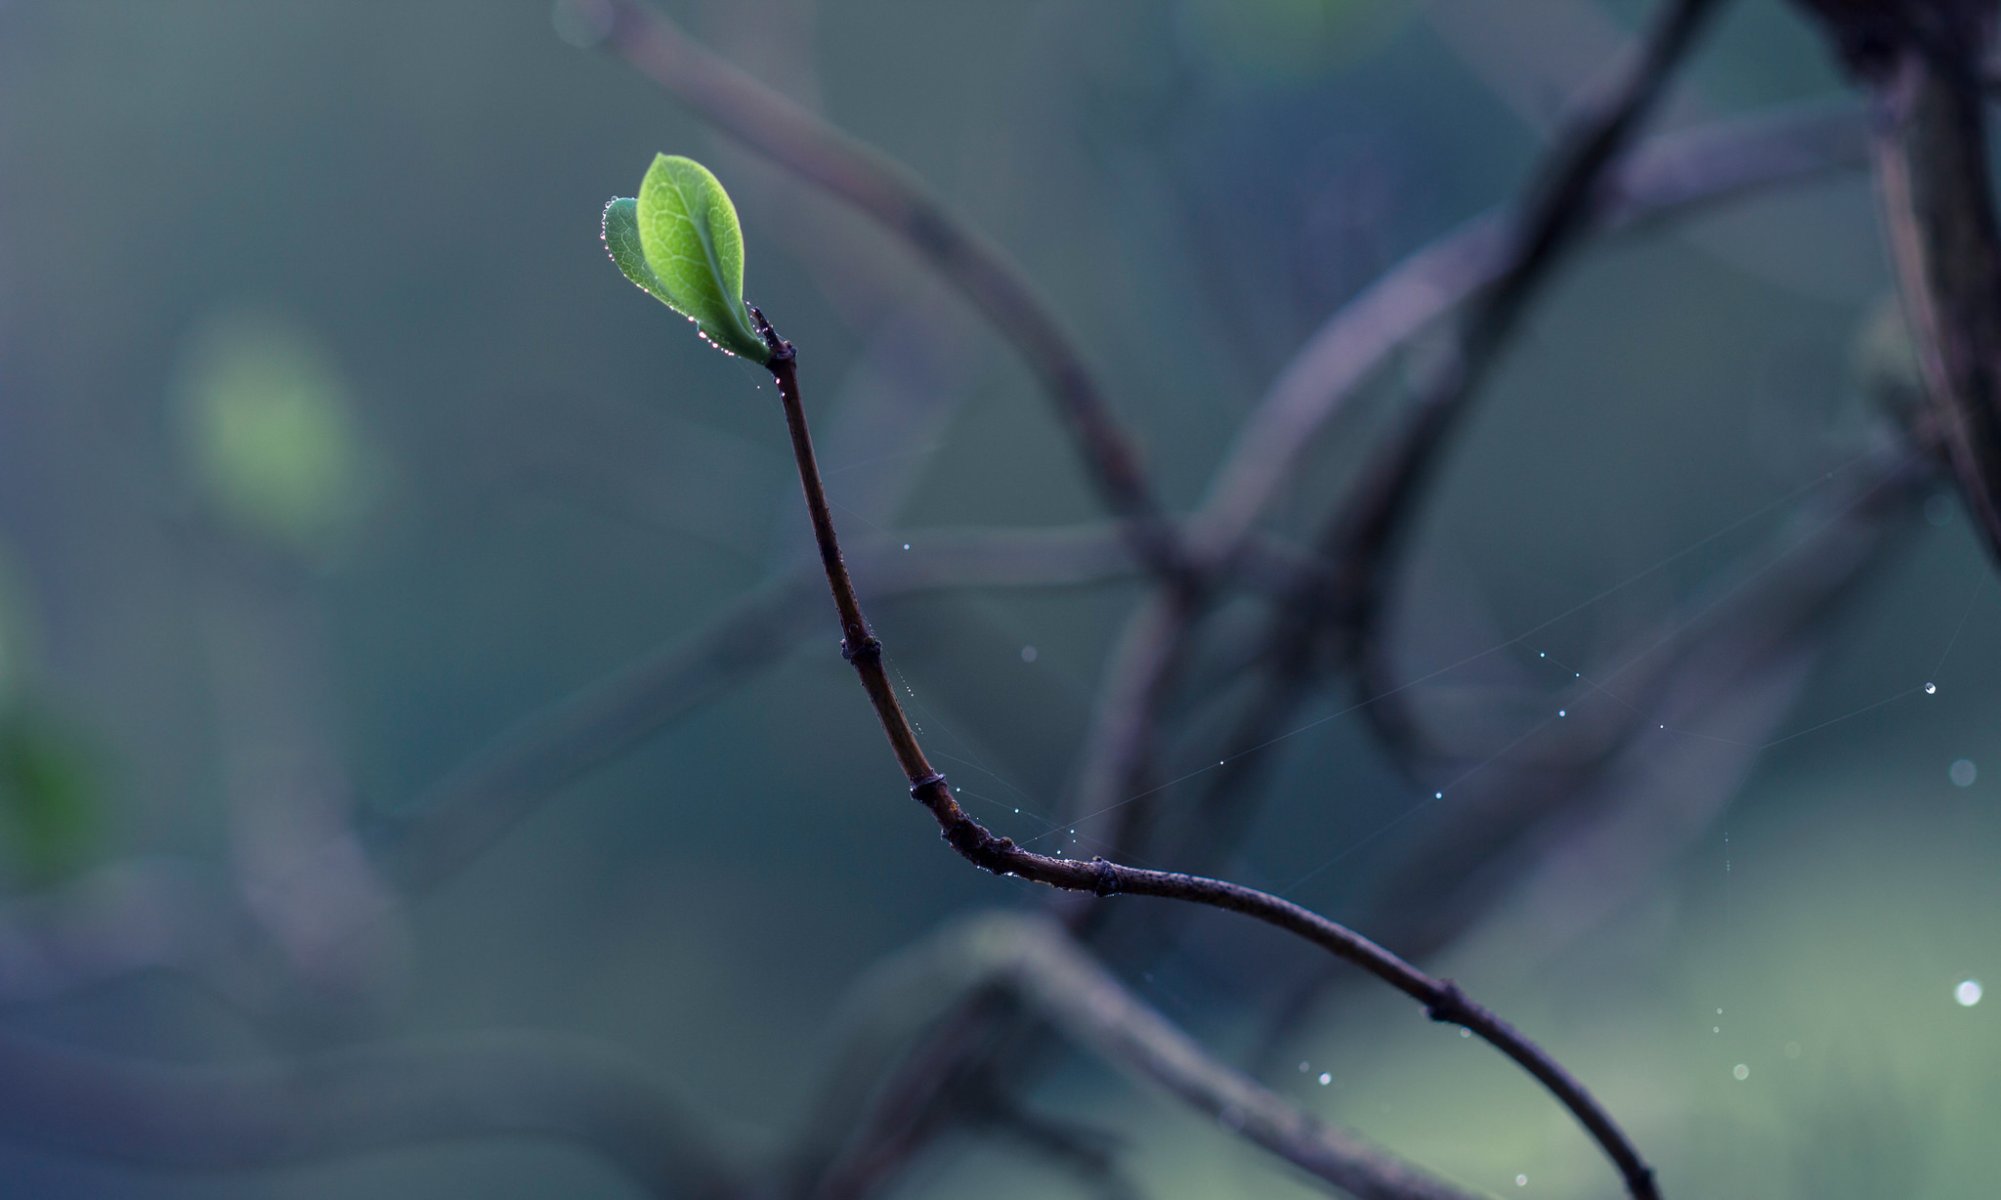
(1740, 1072)
(1326, 1077)
(1521, 1181)
(906, 545)
(1465, 1033)
(1963, 772)
(1438, 795)
(1028, 654)
(1931, 689)
(1562, 712)
(1967, 993)
(1542, 654)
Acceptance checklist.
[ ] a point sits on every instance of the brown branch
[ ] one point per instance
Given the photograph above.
(1442, 1000)
(881, 190)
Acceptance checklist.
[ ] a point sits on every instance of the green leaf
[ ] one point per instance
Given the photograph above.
(621, 241)
(692, 248)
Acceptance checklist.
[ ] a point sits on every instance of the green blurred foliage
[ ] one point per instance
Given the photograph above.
(50, 799)
(268, 434)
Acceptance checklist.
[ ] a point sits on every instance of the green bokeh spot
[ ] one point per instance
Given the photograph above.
(268, 435)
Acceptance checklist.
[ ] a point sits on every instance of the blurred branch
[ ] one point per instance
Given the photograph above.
(1380, 508)
(352, 1102)
(1035, 962)
(862, 177)
(122, 919)
(1666, 179)
(1737, 656)
(1499, 268)
(1443, 1001)
(1363, 535)
(1931, 159)
(1091, 1155)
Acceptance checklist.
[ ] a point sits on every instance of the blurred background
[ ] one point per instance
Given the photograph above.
(339, 470)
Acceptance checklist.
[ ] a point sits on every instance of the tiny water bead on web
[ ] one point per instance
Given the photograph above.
(1968, 993)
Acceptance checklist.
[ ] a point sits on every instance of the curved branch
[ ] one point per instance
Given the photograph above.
(883, 191)
(1443, 1000)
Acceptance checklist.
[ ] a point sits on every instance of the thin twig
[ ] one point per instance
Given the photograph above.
(862, 177)
(1442, 1000)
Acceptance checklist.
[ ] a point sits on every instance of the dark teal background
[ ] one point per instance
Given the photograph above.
(550, 477)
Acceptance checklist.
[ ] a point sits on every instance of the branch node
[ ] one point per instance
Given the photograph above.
(868, 650)
(1450, 1006)
(934, 779)
(1107, 883)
